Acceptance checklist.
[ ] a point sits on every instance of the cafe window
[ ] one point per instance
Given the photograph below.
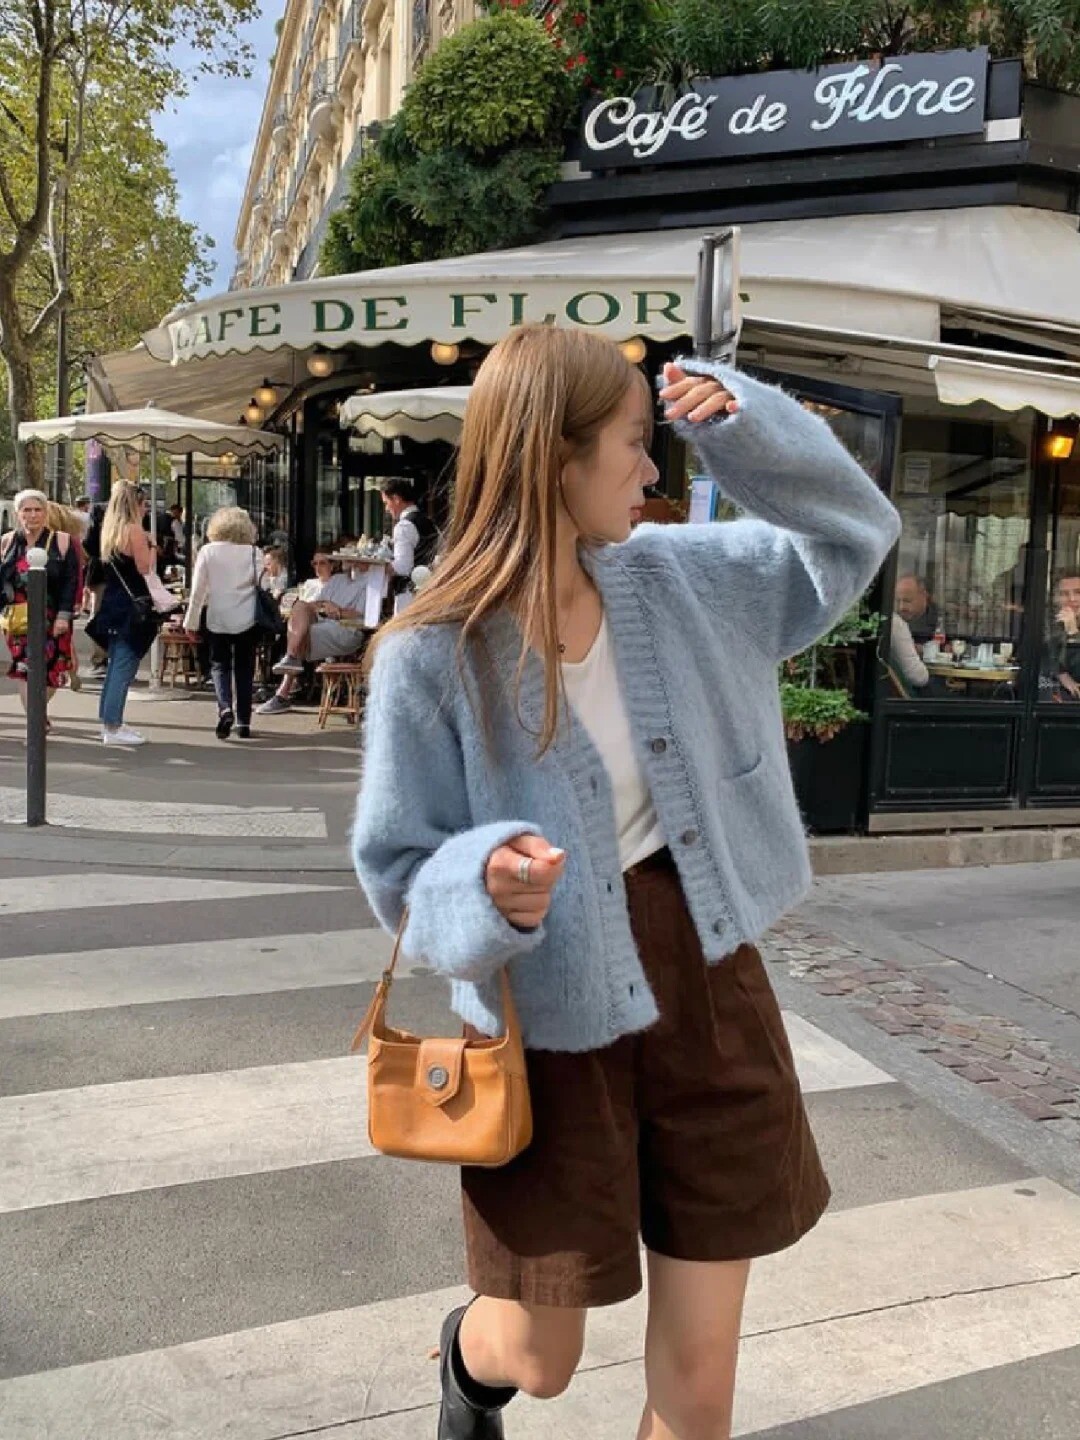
(963, 489)
(1059, 670)
(327, 489)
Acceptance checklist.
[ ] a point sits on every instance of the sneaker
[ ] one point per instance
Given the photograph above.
(274, 706)
(243, 732)
(224, 725)
(288, 665)
(124, 736)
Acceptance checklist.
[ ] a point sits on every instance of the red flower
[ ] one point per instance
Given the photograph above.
(618, 72)
(579, 19)
(582, 60)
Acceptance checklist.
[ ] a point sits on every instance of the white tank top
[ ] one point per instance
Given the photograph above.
(592, 687)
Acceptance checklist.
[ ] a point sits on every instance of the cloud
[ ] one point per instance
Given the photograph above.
(210, 134)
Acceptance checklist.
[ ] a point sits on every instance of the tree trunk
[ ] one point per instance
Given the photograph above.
(21, 390)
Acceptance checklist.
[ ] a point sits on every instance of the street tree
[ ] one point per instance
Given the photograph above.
(76, 79)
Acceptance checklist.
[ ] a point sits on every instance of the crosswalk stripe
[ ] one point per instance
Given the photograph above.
(33, 894)
(169, 817)
(876, 1301)
(60, 1146)
(189, 970)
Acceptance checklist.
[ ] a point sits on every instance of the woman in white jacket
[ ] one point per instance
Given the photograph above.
(227, 572)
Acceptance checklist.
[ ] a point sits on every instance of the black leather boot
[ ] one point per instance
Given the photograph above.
(460, 1417)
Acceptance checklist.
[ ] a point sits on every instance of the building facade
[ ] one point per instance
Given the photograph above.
(341, 66)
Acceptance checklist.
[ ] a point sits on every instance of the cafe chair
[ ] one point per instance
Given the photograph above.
(341, 689)
(178, 659)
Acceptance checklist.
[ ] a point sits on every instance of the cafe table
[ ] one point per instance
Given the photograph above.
(974, 674)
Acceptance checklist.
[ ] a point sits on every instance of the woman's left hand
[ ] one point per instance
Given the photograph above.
(60, 627)
(694, 397)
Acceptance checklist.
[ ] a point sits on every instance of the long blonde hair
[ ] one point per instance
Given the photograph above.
(124, 509)
(541, 395)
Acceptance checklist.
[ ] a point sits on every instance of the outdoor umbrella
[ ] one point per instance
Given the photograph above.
(160, 430)
(433, 414)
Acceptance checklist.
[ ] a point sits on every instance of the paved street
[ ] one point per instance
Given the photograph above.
(196, 1240)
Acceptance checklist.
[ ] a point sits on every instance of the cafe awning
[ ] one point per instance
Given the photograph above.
(907, 276)
(423, 414)
(963, 382)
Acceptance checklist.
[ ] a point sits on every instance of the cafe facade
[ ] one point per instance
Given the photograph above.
(909, 265)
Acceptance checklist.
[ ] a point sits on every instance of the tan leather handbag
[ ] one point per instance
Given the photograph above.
(458, 1101)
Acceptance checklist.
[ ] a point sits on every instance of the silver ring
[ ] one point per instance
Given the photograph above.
(524, 866)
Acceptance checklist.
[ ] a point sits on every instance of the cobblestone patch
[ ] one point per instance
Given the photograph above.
(1003, 1059)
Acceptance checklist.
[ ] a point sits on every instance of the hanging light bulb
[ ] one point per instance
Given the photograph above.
(320, 363)
(253, 415)
(266, 394)
(634, 349)
(443, 353)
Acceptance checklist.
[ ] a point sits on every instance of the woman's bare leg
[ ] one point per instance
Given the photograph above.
(535, 1348)
(692, 1347)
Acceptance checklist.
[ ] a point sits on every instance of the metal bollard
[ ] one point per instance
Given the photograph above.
(36, 687)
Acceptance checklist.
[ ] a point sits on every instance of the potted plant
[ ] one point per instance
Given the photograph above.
(825, 728)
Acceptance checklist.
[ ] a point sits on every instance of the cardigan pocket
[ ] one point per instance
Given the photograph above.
(746, 772)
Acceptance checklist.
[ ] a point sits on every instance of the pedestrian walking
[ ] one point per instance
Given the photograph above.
(61, 583)
(227, 574)
(604, 806)
(123, 622)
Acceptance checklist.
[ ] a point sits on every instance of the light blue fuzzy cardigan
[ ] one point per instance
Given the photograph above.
(700, 616)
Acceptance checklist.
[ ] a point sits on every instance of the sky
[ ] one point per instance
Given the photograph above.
(210, 134)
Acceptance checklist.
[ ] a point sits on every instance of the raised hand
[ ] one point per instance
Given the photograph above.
(694, 397)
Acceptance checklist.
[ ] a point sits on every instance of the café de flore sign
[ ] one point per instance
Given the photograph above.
(471, 298)
(904, 97)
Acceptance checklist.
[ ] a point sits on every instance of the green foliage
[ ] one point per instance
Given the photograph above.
(465, 163)
(742, 36)
(468, 203)
(811, 713)
(816, 685)
(78, 87)
(495, 82)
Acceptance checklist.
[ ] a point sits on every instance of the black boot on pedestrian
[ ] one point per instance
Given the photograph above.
(469, 1410)
(224, 725)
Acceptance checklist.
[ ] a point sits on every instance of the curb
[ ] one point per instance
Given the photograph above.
(872, 854)
(97, 848)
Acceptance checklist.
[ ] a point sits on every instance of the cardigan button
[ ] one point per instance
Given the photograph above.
(659, 746)
(689, 837)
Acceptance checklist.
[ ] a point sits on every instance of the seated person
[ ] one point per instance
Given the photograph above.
(324, 568)
(316, 633)
(275, 576)
(904, 660)
(915, 607)
(1062, 650)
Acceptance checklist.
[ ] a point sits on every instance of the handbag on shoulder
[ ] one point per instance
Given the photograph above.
(268, 621)
(457, 1101)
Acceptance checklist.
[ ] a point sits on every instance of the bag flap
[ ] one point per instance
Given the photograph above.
(440, 1064)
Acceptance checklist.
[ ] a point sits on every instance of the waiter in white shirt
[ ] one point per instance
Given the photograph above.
(416, 538)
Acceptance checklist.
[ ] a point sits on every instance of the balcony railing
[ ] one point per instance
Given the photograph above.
(322, 86)
(351, 30)
(309, 256)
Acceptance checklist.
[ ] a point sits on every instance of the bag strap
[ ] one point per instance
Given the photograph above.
(123, 582)
(382, 994)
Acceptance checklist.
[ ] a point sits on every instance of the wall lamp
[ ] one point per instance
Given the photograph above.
(1061, 438)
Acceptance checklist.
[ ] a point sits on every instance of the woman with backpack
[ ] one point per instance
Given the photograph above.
(574, 772)
(61, 583)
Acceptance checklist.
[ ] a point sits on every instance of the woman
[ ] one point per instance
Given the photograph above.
(61, 584)
(1063, 639)
(127, 557)
(602, 803)
(227, 573)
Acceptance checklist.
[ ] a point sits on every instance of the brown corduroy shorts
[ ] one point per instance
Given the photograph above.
(691, 1136)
